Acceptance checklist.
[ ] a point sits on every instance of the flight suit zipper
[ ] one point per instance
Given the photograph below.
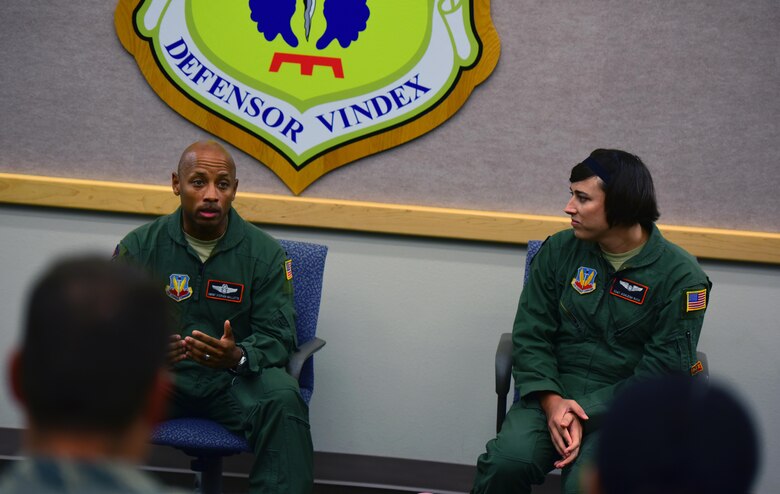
(691, 359)
(570, 315)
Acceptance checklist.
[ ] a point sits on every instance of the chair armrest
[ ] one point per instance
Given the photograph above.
(503, 376)
(303, 353)
(503, 364)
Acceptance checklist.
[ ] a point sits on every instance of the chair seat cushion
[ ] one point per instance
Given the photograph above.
(199, 437)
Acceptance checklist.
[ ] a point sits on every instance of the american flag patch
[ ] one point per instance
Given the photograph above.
(695, 300)
(288, 269)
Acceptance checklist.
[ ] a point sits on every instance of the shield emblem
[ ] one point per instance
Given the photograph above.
(178, 287)
(585, 280)
(306, 86)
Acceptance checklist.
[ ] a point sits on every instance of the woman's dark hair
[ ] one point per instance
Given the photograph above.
(626, 181)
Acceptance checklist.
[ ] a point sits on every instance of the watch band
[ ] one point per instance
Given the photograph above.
(241, 363)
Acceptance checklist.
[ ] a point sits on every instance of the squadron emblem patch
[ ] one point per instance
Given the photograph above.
(306, 86)
(179, 287)
(585, 280)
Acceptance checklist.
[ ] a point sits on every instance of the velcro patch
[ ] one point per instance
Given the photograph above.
(697, 368)
(288, 269)
(585, 280)
(695, 300)
(629, 290)
(225, 291)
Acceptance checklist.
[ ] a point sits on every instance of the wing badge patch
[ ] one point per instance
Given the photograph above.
(225, 291)
(629, 290)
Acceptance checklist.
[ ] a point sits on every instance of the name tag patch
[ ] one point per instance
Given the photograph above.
(629, 290)
(225, 291)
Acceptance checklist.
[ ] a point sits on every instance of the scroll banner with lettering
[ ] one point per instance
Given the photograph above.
(306, 86)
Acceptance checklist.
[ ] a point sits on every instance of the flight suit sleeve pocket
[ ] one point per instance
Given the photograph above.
(286, 322)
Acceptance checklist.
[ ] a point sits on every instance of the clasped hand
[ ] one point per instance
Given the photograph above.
(206, 350)
(564, 423)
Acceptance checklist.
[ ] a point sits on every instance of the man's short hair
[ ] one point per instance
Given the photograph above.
(94, 339)
(677, 435)
(626, 181)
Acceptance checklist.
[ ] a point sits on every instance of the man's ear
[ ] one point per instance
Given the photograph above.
(15, 376)
(175, 183)
(157, 404)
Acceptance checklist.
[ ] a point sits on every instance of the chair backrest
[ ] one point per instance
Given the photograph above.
(533, 248)
(308, 267)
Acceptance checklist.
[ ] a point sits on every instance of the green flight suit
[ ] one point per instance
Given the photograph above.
(245, 281)
(584, 331)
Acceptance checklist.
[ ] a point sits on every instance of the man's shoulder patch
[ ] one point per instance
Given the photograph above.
(288, 269)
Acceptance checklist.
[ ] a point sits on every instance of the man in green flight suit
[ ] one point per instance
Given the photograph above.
(608, 303)
(231, 287)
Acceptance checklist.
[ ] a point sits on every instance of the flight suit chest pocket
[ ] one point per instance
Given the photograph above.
(632, 323)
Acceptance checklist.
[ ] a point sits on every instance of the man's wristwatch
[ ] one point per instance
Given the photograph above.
(241, 366)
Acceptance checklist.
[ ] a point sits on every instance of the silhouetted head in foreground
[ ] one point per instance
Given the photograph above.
(676, 435)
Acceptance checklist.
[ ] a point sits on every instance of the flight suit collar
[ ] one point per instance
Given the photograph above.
(231, 238)
(650, 253)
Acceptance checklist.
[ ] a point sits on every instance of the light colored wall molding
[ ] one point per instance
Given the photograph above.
(487, 226)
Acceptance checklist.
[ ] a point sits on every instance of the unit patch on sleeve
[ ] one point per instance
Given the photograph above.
(288, 269)
(179, 287)
(225, 291)
(695, 300)
(629, 290)
(585, 280)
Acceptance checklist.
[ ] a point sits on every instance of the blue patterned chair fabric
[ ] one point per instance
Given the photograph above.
(205, 438)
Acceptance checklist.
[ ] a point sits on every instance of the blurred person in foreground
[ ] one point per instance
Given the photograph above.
(91, 378)
(675, 435)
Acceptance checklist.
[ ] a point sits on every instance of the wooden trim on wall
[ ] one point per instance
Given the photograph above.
(486, 226)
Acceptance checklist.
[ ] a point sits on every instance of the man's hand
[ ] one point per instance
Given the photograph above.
(177, 349)
(215, 353)
(563, 422)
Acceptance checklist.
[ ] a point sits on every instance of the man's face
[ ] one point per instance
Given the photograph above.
(207, 185)
(587, 211)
